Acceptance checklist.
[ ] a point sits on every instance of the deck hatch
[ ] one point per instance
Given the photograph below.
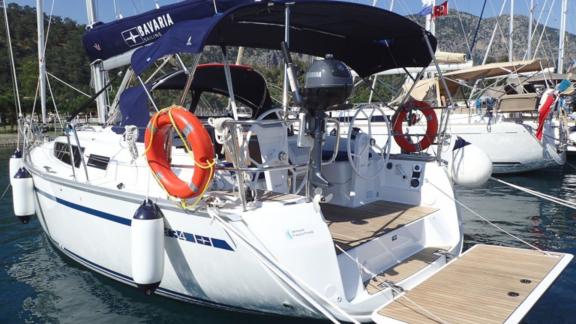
(98, 161)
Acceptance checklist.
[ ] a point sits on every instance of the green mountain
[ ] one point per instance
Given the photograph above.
(65, 60)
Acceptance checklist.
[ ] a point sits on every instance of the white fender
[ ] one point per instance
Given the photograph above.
(147, 239)
(16, 162)
(468, 165)
(23, 195)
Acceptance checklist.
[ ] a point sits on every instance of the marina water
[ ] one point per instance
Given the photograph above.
(38, 284)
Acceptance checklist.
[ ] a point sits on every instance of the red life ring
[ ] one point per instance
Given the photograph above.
(431, 126)
(196, 140)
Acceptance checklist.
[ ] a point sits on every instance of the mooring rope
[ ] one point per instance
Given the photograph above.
(538, 194)
(5, 191)
(486, 219)
(394, 289)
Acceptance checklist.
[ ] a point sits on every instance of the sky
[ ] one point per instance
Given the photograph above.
(108, 9)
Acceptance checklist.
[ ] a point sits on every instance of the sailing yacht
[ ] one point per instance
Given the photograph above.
(515, 130)
(255, 208)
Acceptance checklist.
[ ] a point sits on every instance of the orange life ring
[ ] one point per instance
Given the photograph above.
(431, 126)
(196, 140)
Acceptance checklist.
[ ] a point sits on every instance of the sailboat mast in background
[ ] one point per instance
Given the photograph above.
(511, 33)
(562, 36)
(430, 25)
(530, 20)
(41, 57)
(96, 67)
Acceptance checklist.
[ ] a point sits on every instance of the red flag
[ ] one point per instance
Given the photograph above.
(441, 10)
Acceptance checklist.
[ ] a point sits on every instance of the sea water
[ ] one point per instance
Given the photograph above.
(38, 284)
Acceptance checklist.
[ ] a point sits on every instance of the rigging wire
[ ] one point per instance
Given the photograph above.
(536, 27)
(541, 195)
(548, 50)
(296, 283)
(68, 85)
(12, 63)
(15, 90)
(54, 103)
(471, 47)
(485, 219)
(544, 27)
(136, 7)
(501, 30)
(392, 287)
(117, 12)
(468, 47)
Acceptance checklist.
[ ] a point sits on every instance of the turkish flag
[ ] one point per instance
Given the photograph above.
(441, 10)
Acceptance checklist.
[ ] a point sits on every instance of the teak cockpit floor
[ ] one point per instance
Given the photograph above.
(351, 227)
(485, 285)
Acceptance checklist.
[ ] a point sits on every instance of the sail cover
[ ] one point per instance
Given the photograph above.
(366, 38)
(104, 41)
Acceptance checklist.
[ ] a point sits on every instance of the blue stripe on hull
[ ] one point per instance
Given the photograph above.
(93, 212)
(192, 238)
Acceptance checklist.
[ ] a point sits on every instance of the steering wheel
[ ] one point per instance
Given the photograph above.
(367, 111)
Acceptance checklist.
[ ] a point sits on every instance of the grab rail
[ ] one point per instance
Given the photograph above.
(235, 130)
(72, 128)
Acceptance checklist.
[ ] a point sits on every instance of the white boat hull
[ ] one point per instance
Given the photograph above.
(511, 147)
(90, 221)
(94, 230)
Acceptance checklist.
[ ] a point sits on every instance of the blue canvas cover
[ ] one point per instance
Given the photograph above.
(134, 107)
(185, 37)
(107, 40)
(367, 39)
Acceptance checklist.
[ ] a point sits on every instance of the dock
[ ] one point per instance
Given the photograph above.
(8, 140)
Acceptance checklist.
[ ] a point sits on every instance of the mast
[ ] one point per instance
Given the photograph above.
(41, 57)
(98, 73)
(511, 33)
(285, 87)
(430, 25)
(530, 19)
(560, 68)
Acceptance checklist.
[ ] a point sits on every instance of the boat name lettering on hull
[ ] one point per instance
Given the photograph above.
(198, 239)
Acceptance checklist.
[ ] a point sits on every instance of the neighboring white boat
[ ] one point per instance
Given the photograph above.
(511, 146)
(509, 135)
(266, 224)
